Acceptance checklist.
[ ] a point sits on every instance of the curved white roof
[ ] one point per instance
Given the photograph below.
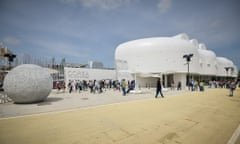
(202, 46)
(222, 63)
(160, 54)
(165, 55)
(235, 71)
(207, 60)
(194, 42)
(182, 36)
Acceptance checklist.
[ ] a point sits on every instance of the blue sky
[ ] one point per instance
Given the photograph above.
(83, 30)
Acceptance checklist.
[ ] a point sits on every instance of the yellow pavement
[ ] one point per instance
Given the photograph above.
(209, 117)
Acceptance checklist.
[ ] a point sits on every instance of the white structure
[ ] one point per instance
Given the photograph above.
(145, 59)
(88, 74)
(28, 84)
(95, 64)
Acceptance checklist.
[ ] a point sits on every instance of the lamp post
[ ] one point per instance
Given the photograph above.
(227, 69)
(188, 59)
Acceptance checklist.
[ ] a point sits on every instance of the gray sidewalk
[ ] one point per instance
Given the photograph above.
(59, 101)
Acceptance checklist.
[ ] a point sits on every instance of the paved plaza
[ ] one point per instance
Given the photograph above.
(182, 117)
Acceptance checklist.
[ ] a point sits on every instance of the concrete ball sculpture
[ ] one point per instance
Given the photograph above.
(28, 83)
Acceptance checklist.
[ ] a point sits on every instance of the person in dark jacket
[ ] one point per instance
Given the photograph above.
(131, 86)
(159, 88)
(232, 87)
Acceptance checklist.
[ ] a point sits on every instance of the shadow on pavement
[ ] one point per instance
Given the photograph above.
(49, 101)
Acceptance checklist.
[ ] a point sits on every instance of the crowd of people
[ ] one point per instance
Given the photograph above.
(96, 86)
(93, 85)
(229, 84)
(124, 86)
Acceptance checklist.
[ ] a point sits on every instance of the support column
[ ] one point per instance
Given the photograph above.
(166, 81)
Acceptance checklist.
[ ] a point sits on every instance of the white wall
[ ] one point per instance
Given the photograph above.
(207, 62)
(180, 77)
(154, 55)
(88, 74)
(144, 82)
(222, 63)
(165, 55)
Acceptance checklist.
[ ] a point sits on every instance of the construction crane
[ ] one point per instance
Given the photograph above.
(6, 53)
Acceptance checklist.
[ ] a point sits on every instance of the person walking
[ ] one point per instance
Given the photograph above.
(70, 86)
(124, 86)
(179, 86)
(58, 87)
(131, 86)
(232, 87)
(159, 88)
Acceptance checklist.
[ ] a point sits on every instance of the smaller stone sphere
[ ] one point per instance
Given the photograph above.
(28, 83)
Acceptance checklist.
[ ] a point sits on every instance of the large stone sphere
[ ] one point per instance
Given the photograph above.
(28, 84)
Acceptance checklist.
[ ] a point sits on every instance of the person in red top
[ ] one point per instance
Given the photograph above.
(57, 86)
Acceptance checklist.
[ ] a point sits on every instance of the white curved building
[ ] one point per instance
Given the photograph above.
(145, 59)
(207, 62)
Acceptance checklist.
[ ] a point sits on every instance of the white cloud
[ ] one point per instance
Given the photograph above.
(164, 5)
(11, 41)
(102, 4)
(60, 48)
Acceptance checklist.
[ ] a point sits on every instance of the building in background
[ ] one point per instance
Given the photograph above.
(60, 71)
(148, 58)
(141, 60)
(76, 74)
(95, 64)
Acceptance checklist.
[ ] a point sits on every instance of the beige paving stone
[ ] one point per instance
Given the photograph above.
(208, 117)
